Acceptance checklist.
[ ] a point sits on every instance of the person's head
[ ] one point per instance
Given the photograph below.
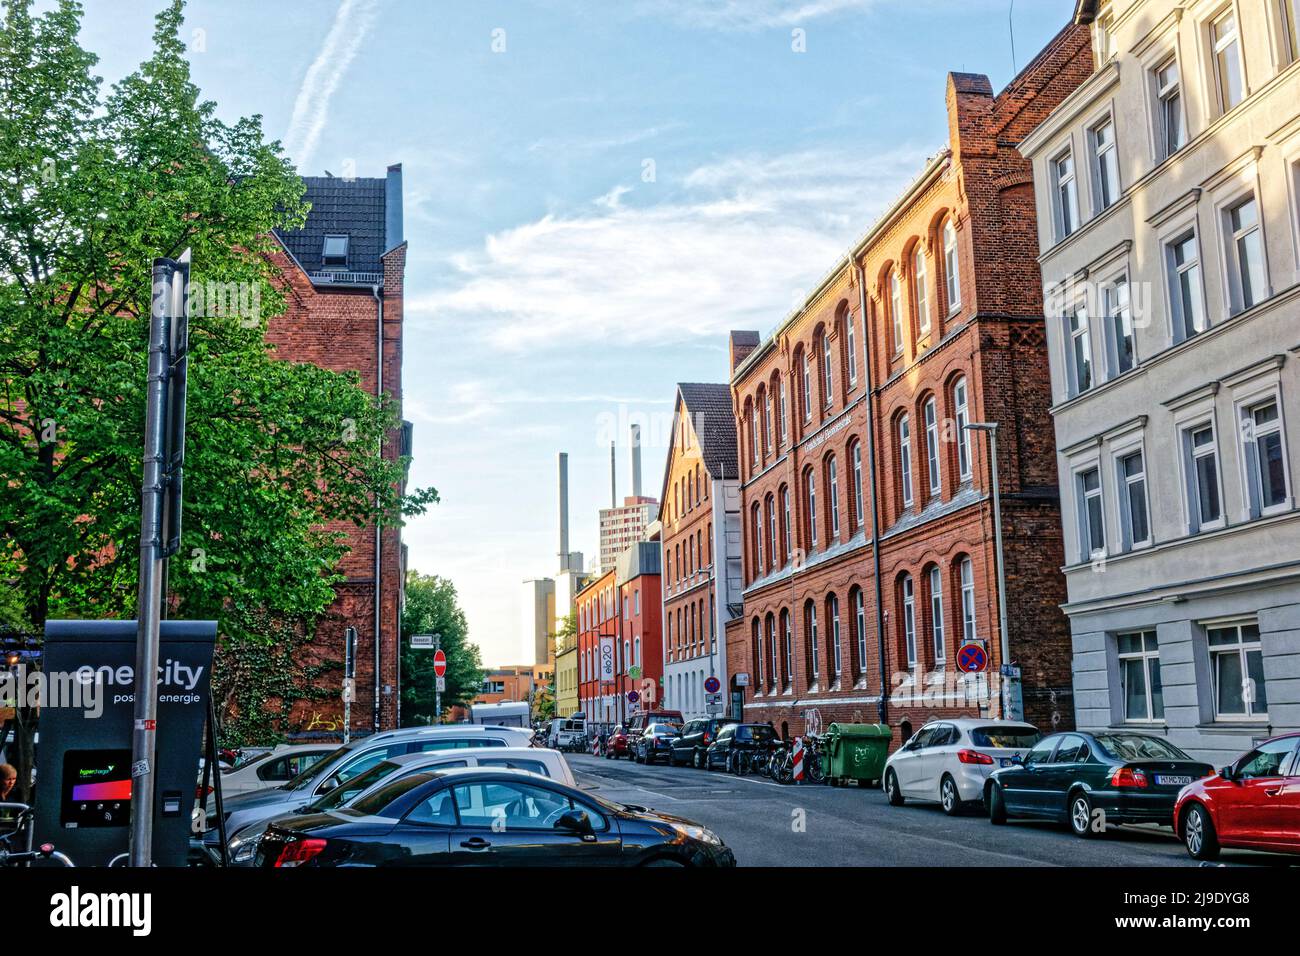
(8, 780)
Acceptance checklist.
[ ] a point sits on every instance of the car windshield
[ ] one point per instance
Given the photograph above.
(346, 791)
(375, 803)
(668, 729)
(1139, 747)
(757, 732)
(1007, 738)
(309, 771)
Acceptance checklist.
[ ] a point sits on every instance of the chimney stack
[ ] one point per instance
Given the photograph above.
(613, 478)
(393, 230)
(636, 461)
(564, 511)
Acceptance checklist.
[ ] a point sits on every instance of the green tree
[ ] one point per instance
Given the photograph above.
(432, 608)
(93, 186)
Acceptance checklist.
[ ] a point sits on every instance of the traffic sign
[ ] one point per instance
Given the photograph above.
(423, 641)
(712, 685)
(712, 698)
(349, 690)
(633, 697)
(439, 663)
(441, 685)
(972, 658)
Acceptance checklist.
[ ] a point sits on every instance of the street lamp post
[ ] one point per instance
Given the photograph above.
(1010, 711)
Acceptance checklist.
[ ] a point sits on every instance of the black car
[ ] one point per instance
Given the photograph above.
(736, 739)
(471, 816)
(1091, 780)
(655, 741)
(695, 739)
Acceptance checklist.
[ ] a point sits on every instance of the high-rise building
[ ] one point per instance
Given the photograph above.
(623, 526)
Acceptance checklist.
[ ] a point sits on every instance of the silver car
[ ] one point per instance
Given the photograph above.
(947, 761)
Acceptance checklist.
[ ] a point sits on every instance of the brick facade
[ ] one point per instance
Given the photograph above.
(936, 350)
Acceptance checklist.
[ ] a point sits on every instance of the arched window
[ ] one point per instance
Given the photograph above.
(805, 375)
(756, 536)
(768, 447)
(936, 616)
(961, 414)
(919, 282)
(787, 646)
(932, 444)
(828, 376)
(909, 620)
(967, 600)
(772, 538)
(833, 495)
(951, 268)
(833, 624)
(860, 629)
(905, 458)
(783, 412)
(753, 437)
(785, 519)
(810, 491)
(850, 349)
(773, 678)
(859, 506)
(896, 309)
(810, 628)
(758, 657)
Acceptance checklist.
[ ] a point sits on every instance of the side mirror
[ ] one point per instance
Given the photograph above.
(576, 821)
(1228, 773)
(329, 784)
(1018, 760)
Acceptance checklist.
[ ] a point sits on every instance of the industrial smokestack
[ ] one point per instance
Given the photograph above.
(636, 461)
(564, 511)
(613, 478)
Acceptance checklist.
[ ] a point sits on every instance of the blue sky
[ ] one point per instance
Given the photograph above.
(596, 192)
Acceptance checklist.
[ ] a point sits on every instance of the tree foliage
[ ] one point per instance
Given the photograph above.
(432, 608)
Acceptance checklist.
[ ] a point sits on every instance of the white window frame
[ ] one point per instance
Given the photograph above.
(896, 309)
(1150, 660)
(833, 493)
(968, 626)
(828, 371)
(785, 417)
(909, 620)
(1245, 407)
(1217, 49)
(807, 388)
(789, 648)
(961, 415)
(919, 290)
(1162, 95)
(1124, 498)
(860, 621)
(951, 266)
(850, 346)
(1117, 324)
(1077, 329)
(770, 505)
(837, 654)
(813, 651)
(905, 458)
(1065, 193)
(785, 504)
(1239, 274)
(933, 474)
(1181, 329)
(936, 618)
(1287, 15)
(1191, 476)
(1243, 647)
(1108, 186)
(859, 504)
(810, 496)
(1088, 551)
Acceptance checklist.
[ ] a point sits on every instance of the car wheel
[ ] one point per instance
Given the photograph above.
(997, 806)
(1081, 815)
(1198, 834)
(697, 758)
(663, 861)
(949, 798)
(896, 798)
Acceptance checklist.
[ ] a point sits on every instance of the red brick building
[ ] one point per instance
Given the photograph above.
(344, 271)
(952, 334)
(595, 612)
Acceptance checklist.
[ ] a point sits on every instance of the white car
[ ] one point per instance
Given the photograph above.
(947, 761)
(270, 769)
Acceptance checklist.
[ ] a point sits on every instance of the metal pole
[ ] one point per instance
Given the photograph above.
(1004, 642)
(148, 603)
(437, 694)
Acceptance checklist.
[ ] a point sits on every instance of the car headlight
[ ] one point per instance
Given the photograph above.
(243, 849)
(701, 834)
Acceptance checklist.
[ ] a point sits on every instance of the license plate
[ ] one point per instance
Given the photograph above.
(1164, 780)
(1005, 761)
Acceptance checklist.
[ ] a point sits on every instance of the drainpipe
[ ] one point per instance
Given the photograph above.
(379, 540)
(875, 506)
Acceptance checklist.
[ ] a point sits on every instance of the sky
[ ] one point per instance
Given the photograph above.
(596, 192)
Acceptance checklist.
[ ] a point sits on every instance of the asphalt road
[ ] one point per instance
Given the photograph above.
(767, 824)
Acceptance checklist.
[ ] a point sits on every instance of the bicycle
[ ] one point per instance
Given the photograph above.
(781, 764)
(23, 824)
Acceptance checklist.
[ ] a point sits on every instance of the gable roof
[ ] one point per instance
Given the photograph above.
(1085, 11)
(709, 407)
(355, 208)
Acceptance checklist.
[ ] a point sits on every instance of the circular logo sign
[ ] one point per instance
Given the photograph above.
(633, 696)
(972, 658)
(712, 685)
(634, 672)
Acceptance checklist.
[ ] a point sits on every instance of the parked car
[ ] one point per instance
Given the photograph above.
(479, 817)
(949, 760)
(252, 809)
(542, 762)
(656, 741)
(735, 739)
(640, 722)
(1253, 803)
(1091, 780)
(617, 744)
(695, 739)
(270, 769)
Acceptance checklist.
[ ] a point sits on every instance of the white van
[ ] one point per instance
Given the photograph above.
(504, 714)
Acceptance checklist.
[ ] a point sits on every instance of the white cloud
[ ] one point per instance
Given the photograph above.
(736, 247)
(352, 22)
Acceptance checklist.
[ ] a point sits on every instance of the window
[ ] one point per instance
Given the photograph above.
(1268, 760)
(850, 348)
(828, 380)
(833, 493)
(896, 309)
(960, 407)
(922, 300)
(811, 620)
(1080, 350)
(1133, 501)
(334, 253)
(806, 375)
(785, 507)
(1105, 162)
(811, 481)
(1119, 327)
(1139, 676)
(860, 629)
(1169, 109)
(753, 446)
(1200, 455)
(771, 530)
(932, 443)
(967, 600)
(909, 620)
(1266, 477)
(788, 638)
(1066, 195)
(905, 458)
(951, 267)
(773, 678)
(1247, 285)
(859, 514)
(785, 418)
(756, 522)
(1287, 10)
(767, 431)
(1092, 522)
(1237, 669)
(936, 615)
(1182, 260)
(758, 657)
(1227, 60)
(833, 621)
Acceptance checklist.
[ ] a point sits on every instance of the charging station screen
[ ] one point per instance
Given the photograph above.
(96, 788)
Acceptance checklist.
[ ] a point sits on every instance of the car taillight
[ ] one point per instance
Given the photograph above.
(974, 756)
(299, 852)
(1128, 777)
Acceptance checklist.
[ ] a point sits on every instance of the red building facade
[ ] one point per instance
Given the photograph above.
(858, 595)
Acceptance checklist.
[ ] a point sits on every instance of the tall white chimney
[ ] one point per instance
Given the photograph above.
(636, 461)
(564, 511)
(613, 478)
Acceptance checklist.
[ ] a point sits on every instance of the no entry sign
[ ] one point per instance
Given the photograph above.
(439, 663)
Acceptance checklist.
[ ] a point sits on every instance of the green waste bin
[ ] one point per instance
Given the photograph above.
(855, 752)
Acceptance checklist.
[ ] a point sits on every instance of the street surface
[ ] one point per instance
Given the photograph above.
(767, 824)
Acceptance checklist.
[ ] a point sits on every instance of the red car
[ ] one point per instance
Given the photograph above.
(1253, 803)
(617, 745)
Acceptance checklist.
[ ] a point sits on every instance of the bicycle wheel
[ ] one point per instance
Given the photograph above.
(812, 766)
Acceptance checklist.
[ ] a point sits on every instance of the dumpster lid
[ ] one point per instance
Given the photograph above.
(860, 730)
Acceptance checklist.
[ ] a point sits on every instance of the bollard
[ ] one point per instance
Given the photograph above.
(798, 759)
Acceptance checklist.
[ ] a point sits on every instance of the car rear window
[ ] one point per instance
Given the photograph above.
(1007, 738)
(757, 732)
(1139, 747)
